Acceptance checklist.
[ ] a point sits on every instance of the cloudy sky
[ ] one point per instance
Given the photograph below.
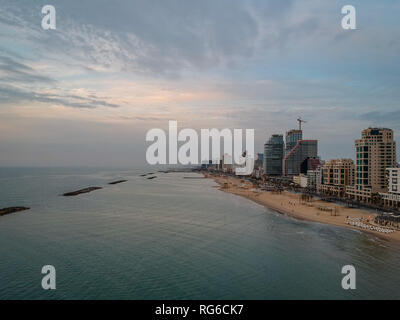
(87, 92)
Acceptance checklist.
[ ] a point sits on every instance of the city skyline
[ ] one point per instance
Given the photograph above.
(87, 92)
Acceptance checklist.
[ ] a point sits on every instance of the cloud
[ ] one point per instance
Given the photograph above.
(157, 38)
(13, 95)
(13, 71)
(392, 117)
(252, 63)
(27, 86)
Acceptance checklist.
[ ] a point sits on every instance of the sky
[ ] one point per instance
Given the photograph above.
(86, 93)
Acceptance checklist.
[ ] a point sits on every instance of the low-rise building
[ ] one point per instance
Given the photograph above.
(391, 198)
(301, 180)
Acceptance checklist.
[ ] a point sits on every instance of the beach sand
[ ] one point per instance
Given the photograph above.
(291, 204)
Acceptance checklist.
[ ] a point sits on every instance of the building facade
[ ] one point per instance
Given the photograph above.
(337, 174)
(304, 149)
(273, 155)
(375, 152)
(301, 180)
(312, 179)
(292, 137)
(391, 199)
(310, 164)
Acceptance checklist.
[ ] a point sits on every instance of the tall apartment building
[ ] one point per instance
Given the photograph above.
(375, 152)
(337, 174)
(392, 197)
(273, 155)
(304, 149)
(292, 137)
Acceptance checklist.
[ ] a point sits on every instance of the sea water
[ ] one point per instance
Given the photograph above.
(173, 238)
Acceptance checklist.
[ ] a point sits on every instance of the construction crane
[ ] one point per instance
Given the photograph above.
(301, 121)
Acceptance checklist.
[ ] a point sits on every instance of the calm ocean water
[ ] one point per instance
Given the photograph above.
(173, 238)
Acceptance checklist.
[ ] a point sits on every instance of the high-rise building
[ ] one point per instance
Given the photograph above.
(292, 137)
(273, 155)
(304, 149)
(337, 174)
(375, 152)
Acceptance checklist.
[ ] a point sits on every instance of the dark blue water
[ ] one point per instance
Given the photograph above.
(173, 238)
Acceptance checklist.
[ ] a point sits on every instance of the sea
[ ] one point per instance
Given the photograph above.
(173, 238)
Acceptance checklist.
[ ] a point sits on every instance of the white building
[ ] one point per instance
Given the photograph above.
(301, 180)
(393, 175)
(392, 197)
(312, 178)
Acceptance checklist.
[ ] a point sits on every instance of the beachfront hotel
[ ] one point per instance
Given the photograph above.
(337, 174)
(375, 152)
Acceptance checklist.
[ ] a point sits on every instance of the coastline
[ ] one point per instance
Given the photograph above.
(292, 205)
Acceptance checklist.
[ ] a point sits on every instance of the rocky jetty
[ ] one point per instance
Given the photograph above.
(86, 190)
(9, 210)
(118, 181)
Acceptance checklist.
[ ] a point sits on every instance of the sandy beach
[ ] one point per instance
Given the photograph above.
(292, 205)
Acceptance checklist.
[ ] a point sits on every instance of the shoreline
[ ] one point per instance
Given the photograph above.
(292, 205)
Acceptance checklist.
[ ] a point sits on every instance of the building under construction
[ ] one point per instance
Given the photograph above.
(304, 149)
(297, 151)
